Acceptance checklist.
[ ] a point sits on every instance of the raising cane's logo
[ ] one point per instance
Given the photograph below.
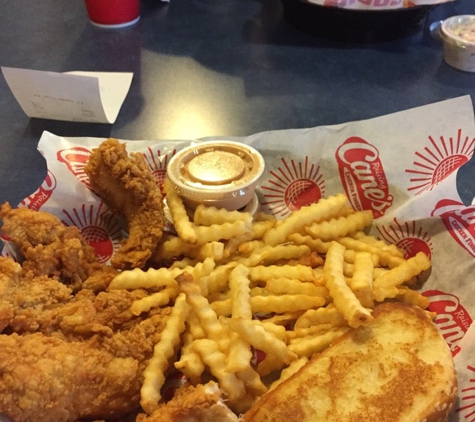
(459, 221)
(158, 163)
(76, 159)
(408, 236)
(99, 228)
(452, 318)
(293, 185)
(467, 397)
(438, 160)
(363, 177)
(37, 199)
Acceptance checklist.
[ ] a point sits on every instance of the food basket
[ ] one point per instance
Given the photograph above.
(355, 25)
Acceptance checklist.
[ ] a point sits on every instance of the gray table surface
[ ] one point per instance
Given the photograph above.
(211, 68)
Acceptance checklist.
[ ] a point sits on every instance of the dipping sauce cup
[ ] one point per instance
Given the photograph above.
(223, 174)
(458, 35)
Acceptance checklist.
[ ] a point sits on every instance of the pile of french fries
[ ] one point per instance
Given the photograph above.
(287, 288)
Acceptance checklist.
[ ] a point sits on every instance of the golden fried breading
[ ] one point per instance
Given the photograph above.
(202, 403)
(49, 247)
(129, 189)
(48, 379)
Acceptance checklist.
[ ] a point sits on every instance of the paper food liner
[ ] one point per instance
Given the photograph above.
(375, 4)
(414, 169)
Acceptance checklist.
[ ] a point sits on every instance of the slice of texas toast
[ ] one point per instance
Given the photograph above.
(397, 369)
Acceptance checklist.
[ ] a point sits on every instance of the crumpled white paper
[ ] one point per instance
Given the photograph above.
(415, 169)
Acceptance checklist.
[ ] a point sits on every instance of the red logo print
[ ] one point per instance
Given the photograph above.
(100, 228)
(37, 199)
(467, 397)
(293, 185)
(452, 318)
(368, 3)
(460, 222)
(438, 160)
(407, 236)
(363, 177)
(76, 159)
(158, 164)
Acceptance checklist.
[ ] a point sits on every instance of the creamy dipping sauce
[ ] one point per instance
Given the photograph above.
(219, 173)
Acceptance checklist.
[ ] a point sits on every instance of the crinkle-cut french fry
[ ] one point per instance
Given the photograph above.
(272, 303)
(214, 250)
(343, 298)
(218, 232)
(304, 332)
(379, 243)
(326, 315)
(285, 303)
(157, 278)
(172, 247)
(217, 280)
(256, 233)
(350, 256)
(268, 365)
(195, 327)
(263, 217)
(176, 247)
(232, 245)
(322, 210)
(271, 254)
(299, 272)
(250, 246)
(342, 226)
(285, 319)
(312, 260)
(139, 279)
(316, 245)
(252, 380)
(386, 258)
(183, 263)
(240, 292)
(362, 281)
(190, 362)
(387, 285)
(239, 354)
(154, 300)
(215, 330)
(280, 286)
(181, 220)
(407, 295)
(261, 339)
(209, 215)
(307, 346)
(154, 377)
(320, 246)
(278, 330)
(216, 361)
(290, 370)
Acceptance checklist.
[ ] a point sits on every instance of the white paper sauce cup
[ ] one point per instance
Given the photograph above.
(223, 174)
(458, 35)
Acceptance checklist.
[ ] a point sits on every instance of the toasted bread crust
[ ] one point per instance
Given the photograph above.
(397, 369)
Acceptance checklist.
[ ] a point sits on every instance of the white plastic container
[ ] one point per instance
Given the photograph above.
(458, 35)
(223, 174)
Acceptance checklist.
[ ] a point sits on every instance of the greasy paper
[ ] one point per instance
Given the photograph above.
(414, 169)
(94, 97)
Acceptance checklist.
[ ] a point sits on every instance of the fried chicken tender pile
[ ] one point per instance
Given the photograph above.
(69, 349)
(128, 187)
(53, 250)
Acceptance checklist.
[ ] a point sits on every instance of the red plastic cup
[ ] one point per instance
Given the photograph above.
(113, 13)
